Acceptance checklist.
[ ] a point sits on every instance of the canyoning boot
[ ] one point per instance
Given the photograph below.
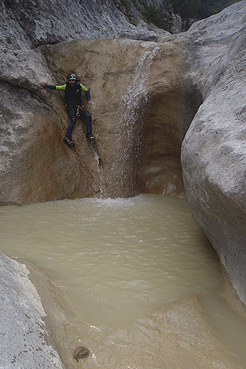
(90, 136)
(68, 141)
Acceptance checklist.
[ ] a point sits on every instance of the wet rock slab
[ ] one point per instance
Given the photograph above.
(184, 339)
(22, 329)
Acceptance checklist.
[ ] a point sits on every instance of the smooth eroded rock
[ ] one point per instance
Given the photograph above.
(22, 330)
(214, 149)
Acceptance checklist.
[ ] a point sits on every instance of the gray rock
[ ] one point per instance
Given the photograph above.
(52, 22)
(214, 149)
(176, 23)
(22, 331)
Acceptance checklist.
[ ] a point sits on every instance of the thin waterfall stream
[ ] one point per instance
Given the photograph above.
(133, 106)
(117, 261)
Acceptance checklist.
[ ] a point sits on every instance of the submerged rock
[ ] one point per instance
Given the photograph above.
(80, 352)
(185, 336)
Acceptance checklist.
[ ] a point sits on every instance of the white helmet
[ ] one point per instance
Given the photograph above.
(71, 77)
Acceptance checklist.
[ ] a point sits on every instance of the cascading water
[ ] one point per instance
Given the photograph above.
(130, 116)
(98, 160)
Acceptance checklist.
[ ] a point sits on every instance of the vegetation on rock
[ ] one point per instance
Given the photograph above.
(199, 9)
(161, 13)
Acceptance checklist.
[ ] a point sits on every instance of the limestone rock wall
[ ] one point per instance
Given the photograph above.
(214, 149)
(49, 22)
(35, 165)
(142, 109)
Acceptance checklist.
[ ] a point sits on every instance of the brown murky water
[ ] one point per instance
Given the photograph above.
(117, 260)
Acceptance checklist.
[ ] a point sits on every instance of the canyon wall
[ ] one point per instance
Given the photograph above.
(35, 164)
(139, 102)
(214, 149)
(142, 109)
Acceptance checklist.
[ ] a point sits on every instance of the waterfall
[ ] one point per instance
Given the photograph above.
(133, 106)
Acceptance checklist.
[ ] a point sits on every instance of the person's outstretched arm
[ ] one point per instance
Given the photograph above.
(52, 87)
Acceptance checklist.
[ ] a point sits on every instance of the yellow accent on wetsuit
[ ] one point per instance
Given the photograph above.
(63, 87)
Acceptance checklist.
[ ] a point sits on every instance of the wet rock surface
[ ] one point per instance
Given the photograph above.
(142, 109)
(35, 165)
(182, 331)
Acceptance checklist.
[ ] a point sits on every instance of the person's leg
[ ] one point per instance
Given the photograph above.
(88, 124)
(72, 116)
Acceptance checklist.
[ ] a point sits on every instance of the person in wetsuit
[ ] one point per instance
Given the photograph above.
(74, 108)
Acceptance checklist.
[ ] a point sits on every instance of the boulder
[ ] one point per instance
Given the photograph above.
(214, 148)
(23, 331)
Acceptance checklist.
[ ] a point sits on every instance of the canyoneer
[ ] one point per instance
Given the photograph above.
(74, 108)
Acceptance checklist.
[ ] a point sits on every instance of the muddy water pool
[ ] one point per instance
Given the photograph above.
(117, 260)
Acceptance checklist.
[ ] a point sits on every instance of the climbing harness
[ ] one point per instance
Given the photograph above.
(78, 108)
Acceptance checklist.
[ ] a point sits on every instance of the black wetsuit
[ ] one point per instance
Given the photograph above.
(73, 102)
